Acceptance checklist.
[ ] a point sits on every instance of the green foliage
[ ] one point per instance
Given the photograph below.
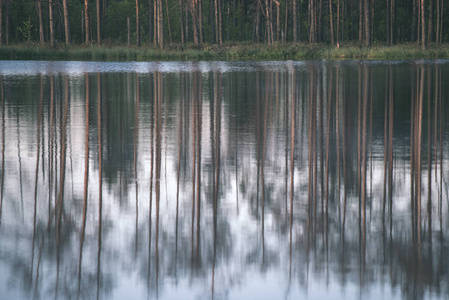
(25, 30)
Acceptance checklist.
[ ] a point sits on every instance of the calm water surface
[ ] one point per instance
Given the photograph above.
(184, 180)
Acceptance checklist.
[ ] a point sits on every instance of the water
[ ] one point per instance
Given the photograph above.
(273, 180)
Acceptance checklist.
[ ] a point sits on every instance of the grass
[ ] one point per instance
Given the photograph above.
(229, 51)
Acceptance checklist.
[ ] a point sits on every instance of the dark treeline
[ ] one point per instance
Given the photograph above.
(159, 22)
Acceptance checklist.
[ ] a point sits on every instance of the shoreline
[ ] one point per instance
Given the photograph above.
(228, 52)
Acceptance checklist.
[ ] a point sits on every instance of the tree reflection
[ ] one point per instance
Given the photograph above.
(313, 171)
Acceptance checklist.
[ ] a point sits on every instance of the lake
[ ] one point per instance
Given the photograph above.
(224, 180)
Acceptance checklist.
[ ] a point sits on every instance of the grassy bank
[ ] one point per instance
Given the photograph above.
(227, 52)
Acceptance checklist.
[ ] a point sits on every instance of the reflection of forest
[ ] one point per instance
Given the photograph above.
(318, 172)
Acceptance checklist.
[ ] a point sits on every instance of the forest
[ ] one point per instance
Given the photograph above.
(196, 23)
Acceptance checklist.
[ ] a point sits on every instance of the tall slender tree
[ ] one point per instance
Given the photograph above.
(160, 24)
(430, 23)
(51, 23)
(66, 22)
(98, 23)
(1, 22)
(331, 23)
(87, 21)
(137, 24)
(367, 26)
(41, 23)
(423, 25)
(7, 23)
(181, 9)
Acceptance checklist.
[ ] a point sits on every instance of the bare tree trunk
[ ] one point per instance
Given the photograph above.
(168, 21)
(66, 22)
(98, 23)
(200, 20)
(155, 27)
(285, 34)
(41, 24)
(129, 31)
(181, 8)
(151, 21)
(218, 23)
(137, 24)
(331, 23)
(52, 25)
(213, 38)
(414, 17)
(87, 21)
(367, 23)
(257, 29)
(160, 24)
(392, 18)
(320, 22)
(312, 17)
(7, 23)
(338, 23)
(1, 22)
(372, 22)
(361, 20)
(423, 26)
(437, 38)
(194, 14)
(278, 20)
(430, 25)
(269, 23)
(441, 18)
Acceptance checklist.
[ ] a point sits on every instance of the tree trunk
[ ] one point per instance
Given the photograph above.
(423, 26)
(257, 29)
(193, 13)
(430, 24)
(286, 21)
(1, 22)
(98, 23)
(87, 21)
(151, 21)
(200, 20)
(218, 22)
(441, 25)
(414, 22)
(129, 31)
(168, 21)
(338, 23)
(389, 22)
(155, 27)
(181, 8)
(367, 23)
(437, 37)
(7, 23)
(137, 24)
(331, 23)
(361, 20)
(66, 22)
(392, 17)
(41, 24)
(320, 22)
(213, 38)
(160, 24)
(278, 20)
(372, 21)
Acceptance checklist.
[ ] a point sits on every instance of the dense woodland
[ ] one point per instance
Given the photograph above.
(164, 22)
